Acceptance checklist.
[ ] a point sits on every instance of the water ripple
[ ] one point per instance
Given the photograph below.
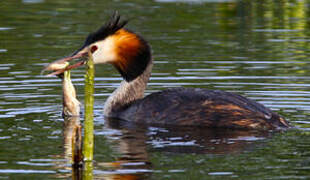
(26, 171)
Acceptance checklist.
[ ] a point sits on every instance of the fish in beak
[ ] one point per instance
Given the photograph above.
(60, 66)
(71, 105)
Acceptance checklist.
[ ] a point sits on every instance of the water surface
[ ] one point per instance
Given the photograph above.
(258, 49)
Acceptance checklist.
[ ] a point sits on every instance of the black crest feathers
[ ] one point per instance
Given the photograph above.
(113, 25)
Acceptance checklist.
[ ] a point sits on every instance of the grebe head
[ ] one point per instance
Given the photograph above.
(127, 51)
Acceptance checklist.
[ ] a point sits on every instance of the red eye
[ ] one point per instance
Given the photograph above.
(93, 49)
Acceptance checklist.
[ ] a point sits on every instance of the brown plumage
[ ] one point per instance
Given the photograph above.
(131, 51)
(201, 107)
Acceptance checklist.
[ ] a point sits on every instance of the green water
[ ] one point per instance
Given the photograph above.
(256, 48)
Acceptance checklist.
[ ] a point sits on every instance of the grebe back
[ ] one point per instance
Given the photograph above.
(130, 54)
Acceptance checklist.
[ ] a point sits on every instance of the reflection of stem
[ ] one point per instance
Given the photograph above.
(77, 146)
(89, 104)
(88, 170)
(77, 173)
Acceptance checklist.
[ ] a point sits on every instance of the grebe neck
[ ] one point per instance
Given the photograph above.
(127, 93)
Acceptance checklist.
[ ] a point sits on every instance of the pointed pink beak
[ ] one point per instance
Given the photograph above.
(60, 66)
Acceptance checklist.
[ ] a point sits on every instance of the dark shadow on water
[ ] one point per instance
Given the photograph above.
(133, 161)
(136, 142)
(196, 140)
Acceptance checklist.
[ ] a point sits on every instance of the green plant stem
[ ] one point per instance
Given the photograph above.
(88, 142)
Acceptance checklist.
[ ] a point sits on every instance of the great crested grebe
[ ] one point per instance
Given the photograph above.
(130, 54)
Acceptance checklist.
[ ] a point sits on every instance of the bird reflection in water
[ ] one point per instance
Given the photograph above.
(136, 142)
(203, 141)
(134, 162)
(184, 139)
